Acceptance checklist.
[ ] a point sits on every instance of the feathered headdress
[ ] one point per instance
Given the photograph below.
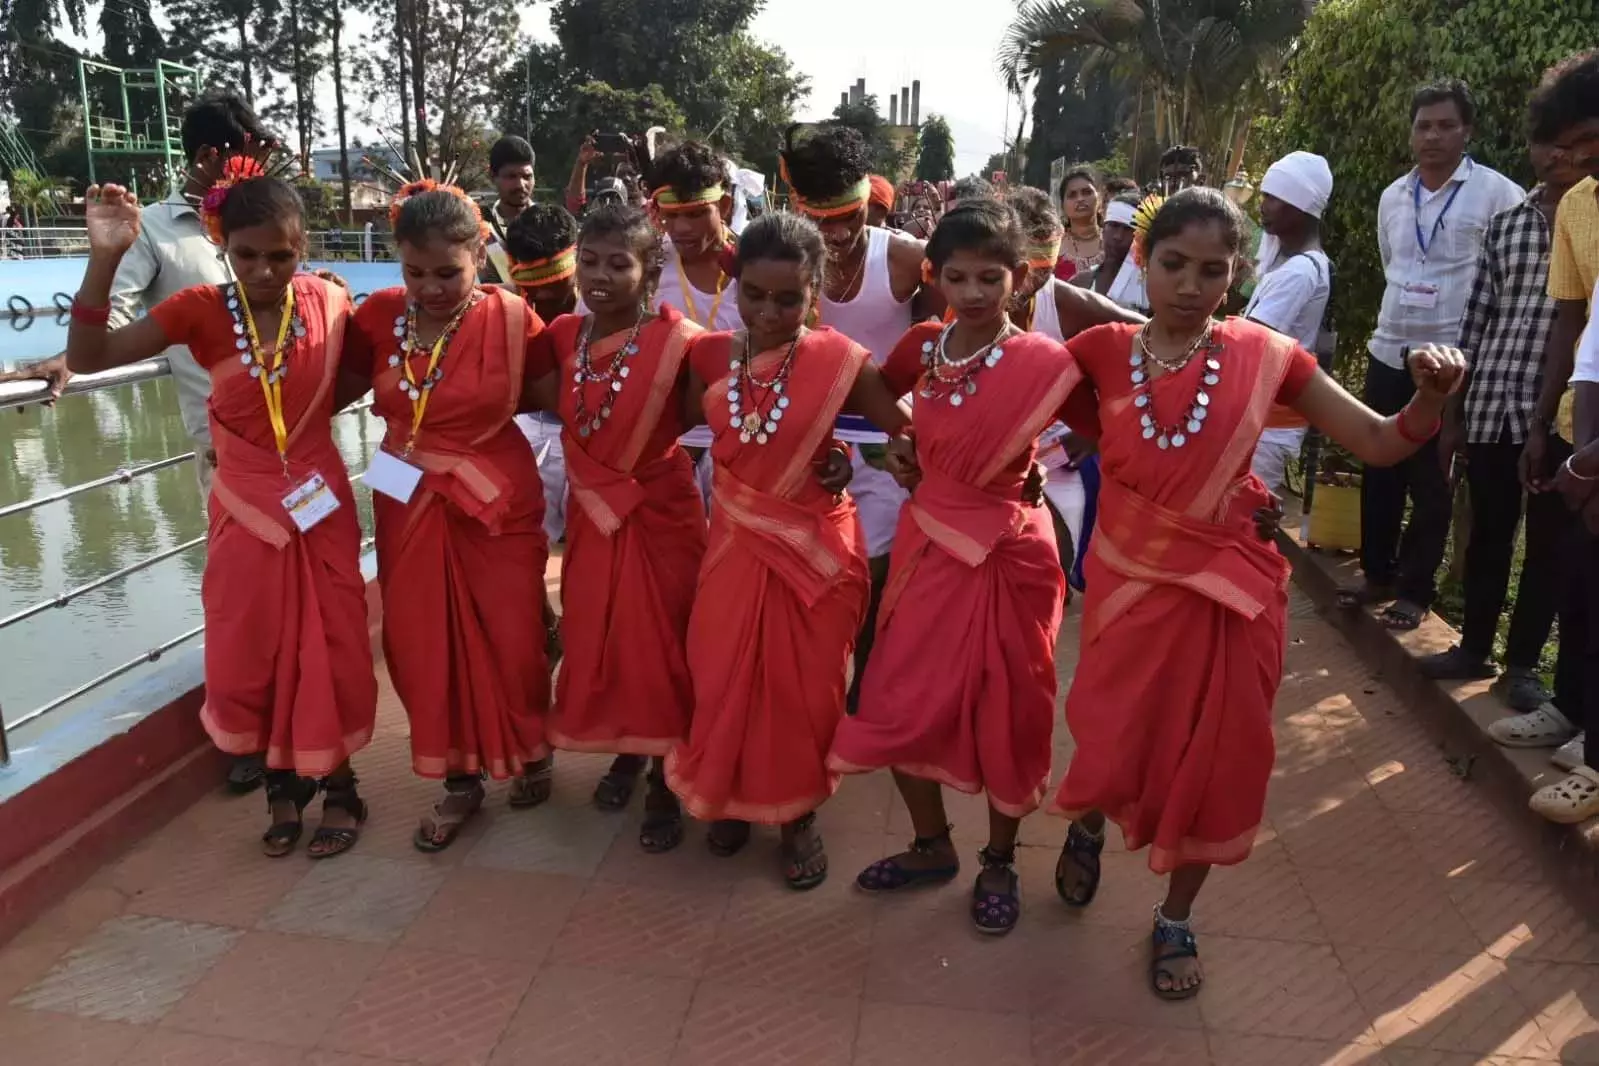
(417, 181)
(254, 159)
(1141, 220)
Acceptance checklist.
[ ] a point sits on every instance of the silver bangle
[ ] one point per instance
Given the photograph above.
(1573, 471)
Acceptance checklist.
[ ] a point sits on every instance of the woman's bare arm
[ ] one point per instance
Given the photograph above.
(872, 399)
(1370, 437)
(92, 348)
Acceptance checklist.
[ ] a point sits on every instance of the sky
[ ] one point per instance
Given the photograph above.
(949, 44)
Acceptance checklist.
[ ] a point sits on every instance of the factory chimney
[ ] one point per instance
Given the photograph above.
(916, 103)
(905, 103)
(893, 110)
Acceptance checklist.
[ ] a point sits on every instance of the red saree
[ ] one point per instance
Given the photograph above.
(1184, 619)
(781, 597)
(461, 565)
(635, 537)
(288, 658)
(960, 687)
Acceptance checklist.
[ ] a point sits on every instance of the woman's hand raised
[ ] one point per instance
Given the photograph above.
(1437, 370)
(111, 215)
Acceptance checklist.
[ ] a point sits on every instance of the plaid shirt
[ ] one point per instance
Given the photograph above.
(1508, 318)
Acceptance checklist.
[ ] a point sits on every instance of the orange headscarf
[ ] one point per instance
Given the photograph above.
(882, 191)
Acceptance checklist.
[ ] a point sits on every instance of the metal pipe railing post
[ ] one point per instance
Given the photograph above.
(5, 745)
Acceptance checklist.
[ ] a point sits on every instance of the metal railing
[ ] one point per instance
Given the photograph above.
(43, 242)
(23, 393)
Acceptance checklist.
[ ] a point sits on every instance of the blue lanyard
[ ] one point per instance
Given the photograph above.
(1422, 243)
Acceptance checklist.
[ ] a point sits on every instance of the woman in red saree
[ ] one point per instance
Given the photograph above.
(635, 522)
(975, 582)
(1184, 617)
(784, 584)
(288, 659)
(460, 512)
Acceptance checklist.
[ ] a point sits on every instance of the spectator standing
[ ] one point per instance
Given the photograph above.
(1430, 224)
(1509, 315)
(511, 167)
(1295, 285)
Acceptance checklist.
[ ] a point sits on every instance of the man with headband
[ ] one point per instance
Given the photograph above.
(542, 243)
(871, 292)
(1119, 277)
(1294, 287)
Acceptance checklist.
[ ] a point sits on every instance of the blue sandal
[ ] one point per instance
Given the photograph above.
(887, 875)
(996, 913)
(1172, 941)
(1083, 850)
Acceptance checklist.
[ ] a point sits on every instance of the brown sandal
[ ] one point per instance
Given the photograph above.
(534, 785)
(439, 830)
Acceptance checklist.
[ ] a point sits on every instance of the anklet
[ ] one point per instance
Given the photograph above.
(1161, 919)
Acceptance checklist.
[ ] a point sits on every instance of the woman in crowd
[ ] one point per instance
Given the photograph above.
(1120, 278)
(459, 507)
(1083, 242)
(1183, 622)
(288, 660)
(784, 585)
(636, 530)
(975, 585)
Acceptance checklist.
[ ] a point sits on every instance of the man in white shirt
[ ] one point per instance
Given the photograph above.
(1295, 285)
(1429, 226)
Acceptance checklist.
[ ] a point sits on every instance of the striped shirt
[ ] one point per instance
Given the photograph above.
(1508, 318)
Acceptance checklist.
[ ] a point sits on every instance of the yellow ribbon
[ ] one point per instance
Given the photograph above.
(547, 271)
(271, 383)
(419, 402)
(669, 202)
(688, 297)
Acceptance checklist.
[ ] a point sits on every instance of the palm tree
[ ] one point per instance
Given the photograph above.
(33, 193)
(1201, 66)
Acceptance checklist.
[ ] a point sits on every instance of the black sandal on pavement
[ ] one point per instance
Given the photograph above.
(246, 774)
(615, 790)
(338, 794)
(996, 913)
(1171, 942)
(663, 819)
(533, 785)
(1082, 849)
(281, 786)
(727, 837)
(804, 855)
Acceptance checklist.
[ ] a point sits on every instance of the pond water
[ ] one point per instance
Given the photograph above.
(60, 546)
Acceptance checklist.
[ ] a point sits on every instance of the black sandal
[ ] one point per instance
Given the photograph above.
(1171, 942)
(663, 819)
(804, 868)
(1365, 594)
(1083, 850)
(533, 785)
(888, 875)
(281, 837)
(1402, 616)
(727, 837)
(446, 826)
(339, 794)
(996, 913)
(615, 790)
(246, 774)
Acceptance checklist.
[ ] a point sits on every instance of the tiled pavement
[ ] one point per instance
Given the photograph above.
(1389, 916)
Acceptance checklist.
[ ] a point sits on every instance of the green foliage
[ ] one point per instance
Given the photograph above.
(1076, 115)
(33, 194)
(935, 150)
(1346, 95)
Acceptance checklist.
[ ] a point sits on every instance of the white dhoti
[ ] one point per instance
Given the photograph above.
(1276, 449)
(543, 433)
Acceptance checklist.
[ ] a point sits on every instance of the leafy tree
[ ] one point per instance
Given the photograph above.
(935, 150)
(1346, 95)
(232, 40)
(1077, 114)
(762, 90)
(888, 155)
(37, 76)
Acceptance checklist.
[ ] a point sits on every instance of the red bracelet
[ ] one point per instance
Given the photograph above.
(1404, 431)
(90, 316)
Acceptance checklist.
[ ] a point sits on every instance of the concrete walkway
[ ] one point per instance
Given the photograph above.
(1391, 915)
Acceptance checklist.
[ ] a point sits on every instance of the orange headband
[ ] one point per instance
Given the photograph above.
(416, 188)
(668, 202)
(1044, 252)
(547, 271)
(847, 203)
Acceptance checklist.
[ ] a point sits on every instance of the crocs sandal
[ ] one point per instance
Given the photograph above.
(1082, 849)
(1544, 728)
(1576, 799)
(1572, 754)
(996, 913)
(1170, 942)
(889, 875)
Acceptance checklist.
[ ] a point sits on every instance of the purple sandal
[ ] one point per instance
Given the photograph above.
(996, 913)
(887, 875)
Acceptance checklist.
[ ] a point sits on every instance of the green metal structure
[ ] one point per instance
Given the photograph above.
(15, 154)
(110, 137)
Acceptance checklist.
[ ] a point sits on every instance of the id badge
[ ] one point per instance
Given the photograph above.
(310, 503)
(1419, 295)
(392, 476)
